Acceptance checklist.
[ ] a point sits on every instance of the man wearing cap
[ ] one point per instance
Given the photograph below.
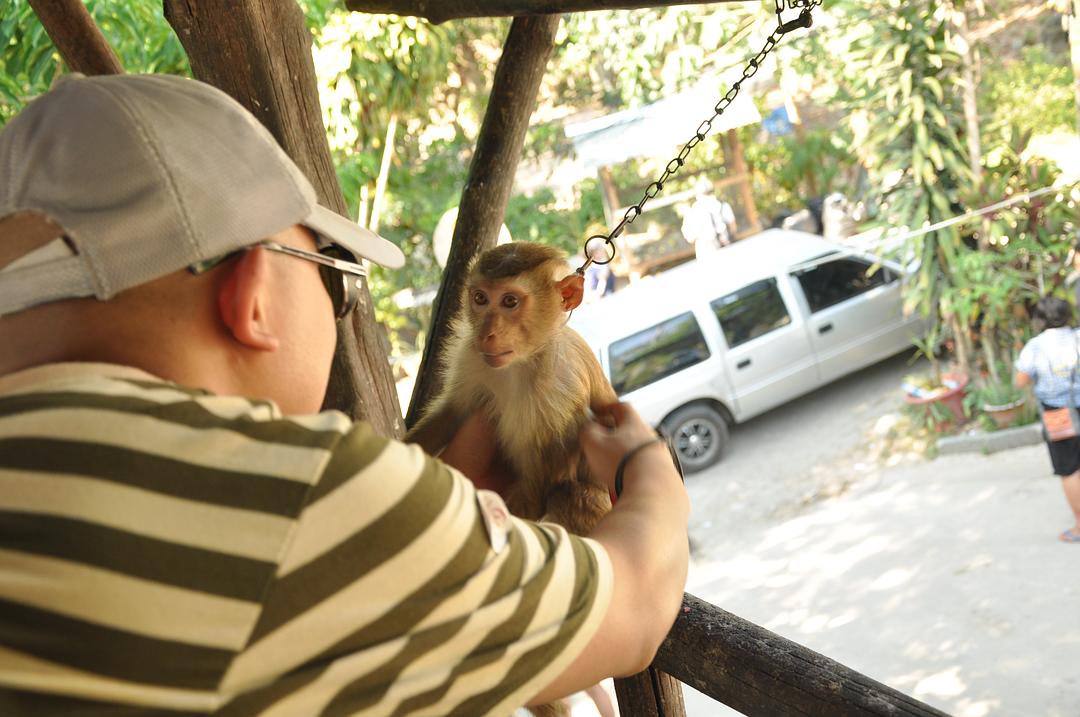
(181, 531)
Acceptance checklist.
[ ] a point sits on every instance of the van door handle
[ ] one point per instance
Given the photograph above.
(743, 364)
(824, 328)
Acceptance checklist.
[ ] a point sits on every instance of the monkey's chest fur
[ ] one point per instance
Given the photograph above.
(538, 407)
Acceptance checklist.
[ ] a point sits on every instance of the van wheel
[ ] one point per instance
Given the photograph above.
(699, 435)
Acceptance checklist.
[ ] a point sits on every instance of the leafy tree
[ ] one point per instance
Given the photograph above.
(136, 30)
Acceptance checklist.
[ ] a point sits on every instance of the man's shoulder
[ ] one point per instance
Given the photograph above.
(128, 409)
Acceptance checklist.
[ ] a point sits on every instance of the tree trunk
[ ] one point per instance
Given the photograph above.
(491, 177)
(1074, 45)
(259, 52)
(738, 162)
(969, 98)
(76, 36)
(384, 173)
(971, 111)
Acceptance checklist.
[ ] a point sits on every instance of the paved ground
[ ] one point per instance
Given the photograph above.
(777, 462)
(940, 578)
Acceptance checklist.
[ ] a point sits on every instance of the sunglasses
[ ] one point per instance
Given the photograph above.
(338, 268)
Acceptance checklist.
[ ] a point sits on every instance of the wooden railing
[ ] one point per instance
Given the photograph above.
(756, 672)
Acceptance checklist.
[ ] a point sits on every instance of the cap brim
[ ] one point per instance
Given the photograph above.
(362, 242)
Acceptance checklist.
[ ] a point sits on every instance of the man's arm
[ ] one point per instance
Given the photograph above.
(645, 536)
(1021, 379)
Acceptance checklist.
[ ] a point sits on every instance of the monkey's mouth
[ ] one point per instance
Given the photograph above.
(498, 359)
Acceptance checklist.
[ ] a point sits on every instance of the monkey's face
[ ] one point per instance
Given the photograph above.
(508, 320)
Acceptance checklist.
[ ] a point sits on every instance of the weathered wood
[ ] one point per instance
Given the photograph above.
(259, 51)
(442, 10)
(746, 197)
(651, 693)
(76, 36)
(487, 189)
(762, 674)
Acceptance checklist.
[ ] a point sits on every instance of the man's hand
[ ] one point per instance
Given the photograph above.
(474, 451)
(617, 430)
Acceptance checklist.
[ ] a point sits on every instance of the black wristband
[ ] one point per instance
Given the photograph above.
(626, 459)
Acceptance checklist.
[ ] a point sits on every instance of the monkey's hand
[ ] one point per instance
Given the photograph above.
(475, 452)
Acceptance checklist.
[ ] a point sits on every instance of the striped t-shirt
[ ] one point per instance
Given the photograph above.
(167, 551)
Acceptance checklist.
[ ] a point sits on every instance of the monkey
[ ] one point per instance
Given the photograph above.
(512, 357)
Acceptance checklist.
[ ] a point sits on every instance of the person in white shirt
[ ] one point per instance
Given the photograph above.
(1051, 363)
(709, 223)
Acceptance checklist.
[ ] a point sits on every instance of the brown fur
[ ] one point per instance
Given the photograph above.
(538, 401)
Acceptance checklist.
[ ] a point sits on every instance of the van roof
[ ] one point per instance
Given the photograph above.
(655, 298)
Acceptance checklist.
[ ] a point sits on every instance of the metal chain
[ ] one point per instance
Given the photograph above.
(782, 28)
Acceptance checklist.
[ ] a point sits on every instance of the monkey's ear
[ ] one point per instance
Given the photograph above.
(572, 290)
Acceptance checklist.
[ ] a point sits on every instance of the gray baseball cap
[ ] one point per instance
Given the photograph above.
(143, 175)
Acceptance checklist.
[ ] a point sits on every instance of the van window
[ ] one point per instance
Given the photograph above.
(656, 352)
(752, 311)
(833, 282)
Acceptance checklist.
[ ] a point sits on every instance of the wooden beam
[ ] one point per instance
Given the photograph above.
(491, 177)
(76, 36)
(259, 51)
(438, 11)
(761, 674)
(650, 694)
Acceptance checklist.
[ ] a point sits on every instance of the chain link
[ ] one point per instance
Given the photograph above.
(804, 19)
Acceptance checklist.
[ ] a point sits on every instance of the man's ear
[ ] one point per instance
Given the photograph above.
(242, 300)
(572, 290)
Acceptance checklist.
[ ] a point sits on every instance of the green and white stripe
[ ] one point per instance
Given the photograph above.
(167, 551)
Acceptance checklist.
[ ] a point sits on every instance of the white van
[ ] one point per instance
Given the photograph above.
(720, 340)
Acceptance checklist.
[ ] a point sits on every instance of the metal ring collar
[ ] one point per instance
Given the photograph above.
(608, 240)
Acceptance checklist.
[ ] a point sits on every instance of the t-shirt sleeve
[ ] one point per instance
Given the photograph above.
(727, 213)
(406, 587)
(1025, 362)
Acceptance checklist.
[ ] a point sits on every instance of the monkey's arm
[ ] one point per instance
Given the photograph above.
(435, 429)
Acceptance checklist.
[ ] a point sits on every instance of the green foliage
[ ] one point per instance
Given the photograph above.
(904, 89)
(540, 218)
(371, 66)
(135, 29)
(1034, 92)
(621, 59)
(933, 416)
(789, 170)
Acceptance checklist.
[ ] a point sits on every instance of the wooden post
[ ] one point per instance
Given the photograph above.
(608, 194)
(761, 674)
(491, 177)
(442, 10)
(650, 694)
(738, 162)
(259, 51)
(77, 37)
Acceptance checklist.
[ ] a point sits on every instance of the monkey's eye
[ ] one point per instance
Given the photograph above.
(479, 298)
(510, 301)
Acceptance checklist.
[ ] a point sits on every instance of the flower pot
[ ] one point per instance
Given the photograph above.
(1004, 415)
(950, 395)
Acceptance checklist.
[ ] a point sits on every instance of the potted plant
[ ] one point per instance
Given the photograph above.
(940, 402)
(1002, 401)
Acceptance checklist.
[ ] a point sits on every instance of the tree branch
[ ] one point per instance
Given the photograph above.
(487, 188)
(77, 37)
